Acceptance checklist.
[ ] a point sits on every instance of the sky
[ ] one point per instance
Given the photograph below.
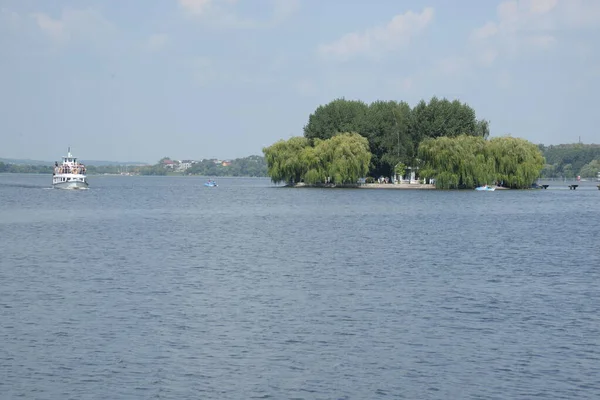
(138, 80)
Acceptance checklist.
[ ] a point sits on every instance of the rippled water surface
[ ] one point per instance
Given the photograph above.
(161, 288)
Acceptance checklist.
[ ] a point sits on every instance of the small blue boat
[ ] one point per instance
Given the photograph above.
(211, 184)
(485, 188)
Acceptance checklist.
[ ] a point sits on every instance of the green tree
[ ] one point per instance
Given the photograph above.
(569, 159)
(518, 162)
(441, 117)
(456, 162)
(387, 127)
(284, 163)
(340, 115)
(568, 171)
(468, 161)
(591, 169)
(205, 168)
(393, 129)
(345, 157)
(342, 159)
(157, 169)
(549, 171)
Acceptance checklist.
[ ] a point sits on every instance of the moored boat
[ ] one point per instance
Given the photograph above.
(70, 174)
(485, 188)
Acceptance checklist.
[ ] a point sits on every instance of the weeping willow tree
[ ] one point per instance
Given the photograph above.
(470, 161)
(342, 159)
(457, 162)
(518, 162)
(345, 157)
(284, 161)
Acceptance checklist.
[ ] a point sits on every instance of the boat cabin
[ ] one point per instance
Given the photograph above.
(69, 165)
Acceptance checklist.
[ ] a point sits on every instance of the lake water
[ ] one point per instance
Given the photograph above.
(161, 288)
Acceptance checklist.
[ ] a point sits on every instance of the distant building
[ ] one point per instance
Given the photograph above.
(169, 164)
(185, 164)
(226, 163)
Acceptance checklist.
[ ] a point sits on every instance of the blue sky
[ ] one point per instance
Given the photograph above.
(138, 80)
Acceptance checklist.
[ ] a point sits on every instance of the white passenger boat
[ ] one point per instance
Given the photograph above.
(70, 174)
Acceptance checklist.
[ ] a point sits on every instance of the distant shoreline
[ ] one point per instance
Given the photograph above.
(403, 186)
(383, 186)
(388, 186)
(130, 175)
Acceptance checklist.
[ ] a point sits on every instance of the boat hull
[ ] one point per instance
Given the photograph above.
(485, 189)
(72, 185)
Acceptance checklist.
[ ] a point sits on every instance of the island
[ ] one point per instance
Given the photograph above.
(437, 144)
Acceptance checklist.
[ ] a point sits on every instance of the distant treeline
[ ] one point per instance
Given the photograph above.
(109, 169)
(247, 166)
(48, 169)
(561, 161)
(571, 160)
(25, 169)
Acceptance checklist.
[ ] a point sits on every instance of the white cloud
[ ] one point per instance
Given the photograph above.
(488, 30)
(157, 42)
(222, 13)
(53, 28)
(86, 25)
(284, 9)
(9, 18)
(397, 33)
(195, 7)
(532, 25)
(542, 6)
(523, 28)
(580, 13)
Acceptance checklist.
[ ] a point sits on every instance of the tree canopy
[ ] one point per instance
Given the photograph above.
(570, 160)
(469, 161)
(591, 169)
(394, 129)
(517, 162)
(342, 159)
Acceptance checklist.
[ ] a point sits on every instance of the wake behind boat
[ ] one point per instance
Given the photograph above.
(70, 174)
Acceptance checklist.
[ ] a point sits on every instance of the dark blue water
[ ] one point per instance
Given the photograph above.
(161, 288)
